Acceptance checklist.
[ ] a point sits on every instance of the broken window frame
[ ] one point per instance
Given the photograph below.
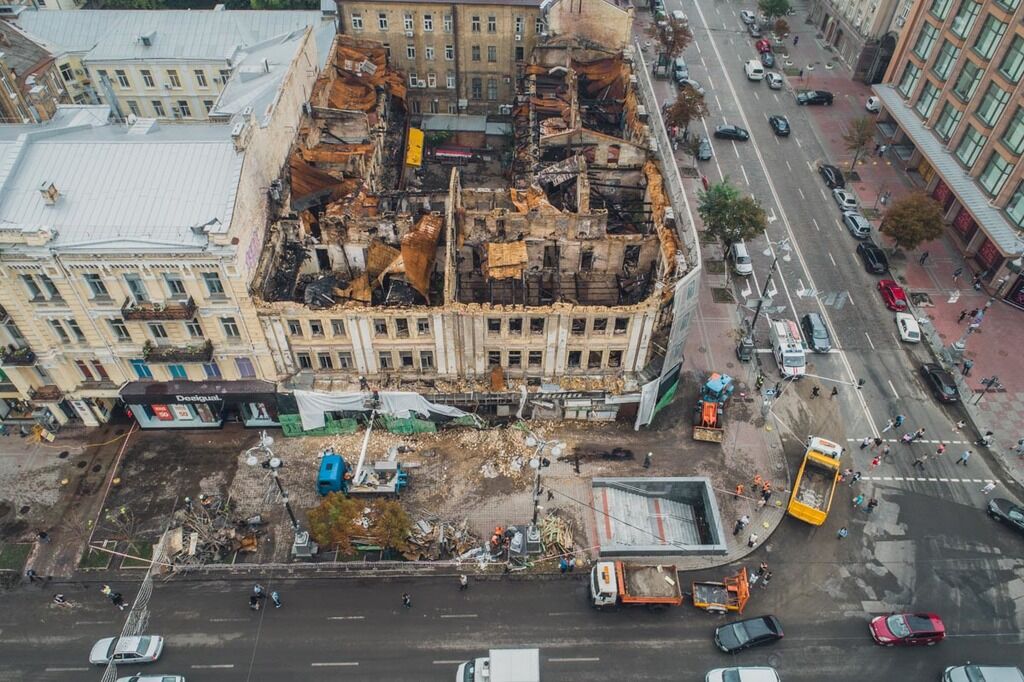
(574, 359)
(380, 327)
(304, 360)
(494, 325)
(515, 326)
(295, 328)
(427, 359)
(401, 328)
(316, 328)
(386, 360)
(578, 326)
(405, 359)
(344, 359)
(325, 361)
(337, 327)
(614, 358)
(537, 326)
(592, 363)
(621, 325)
(599, 325)
(535, 359)
(515, 359)
(423, 326)
(494, 358)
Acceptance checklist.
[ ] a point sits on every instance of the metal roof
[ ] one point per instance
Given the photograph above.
(146, 187)
(949, 169)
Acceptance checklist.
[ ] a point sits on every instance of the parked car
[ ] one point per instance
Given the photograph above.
(941, 383)
(680, 71)
(693, 85)
(780, 124)
(873, 105)
(833, 176)
(845, 200)
(754, 70)
(775, 81)
(747, 16)
(907, 328)
(893, 295)
(727, 132)
(874, 258)
(979, 672)
(857, 224)
(1007, 512)
(750, 632)
(768, 60)
(816, 333)
(123, 650)
(754, 30)
(814, 97)
(907, 629)
(152, 678)
(744, 674)
(763, 45)
(704, 151)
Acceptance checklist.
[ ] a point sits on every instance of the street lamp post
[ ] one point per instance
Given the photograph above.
(783, 245)
(302, 546)
(538, 462)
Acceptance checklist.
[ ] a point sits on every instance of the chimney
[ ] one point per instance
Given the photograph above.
(49, 192)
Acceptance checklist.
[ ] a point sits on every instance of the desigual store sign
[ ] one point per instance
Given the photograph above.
(200, 404)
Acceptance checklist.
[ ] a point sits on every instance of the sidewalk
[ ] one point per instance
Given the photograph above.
(1001, 410)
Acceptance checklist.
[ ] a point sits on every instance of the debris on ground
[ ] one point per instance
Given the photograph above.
(208, 533)
(440, 539)
(556, 535)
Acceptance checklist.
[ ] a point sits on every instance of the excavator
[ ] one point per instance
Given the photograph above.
(710, 409)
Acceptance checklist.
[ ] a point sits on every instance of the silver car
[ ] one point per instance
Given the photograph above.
(846, 200)
(143, 649)
(774, 80)
(692, 84)
(857, 224)
(152, 678)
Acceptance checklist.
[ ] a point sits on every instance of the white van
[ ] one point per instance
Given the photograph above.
(754, 70)
(908, 328)
(679, 16)
(740, 259)
(983, 673)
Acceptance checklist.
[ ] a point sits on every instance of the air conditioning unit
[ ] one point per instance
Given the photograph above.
(167, 86)
(519, 37)
(408, 34)
(175, 112)
(900, 21)
(463, 104)
(79, 72)
(505, 109)
(421, 84)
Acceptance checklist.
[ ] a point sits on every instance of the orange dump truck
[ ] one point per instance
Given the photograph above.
(617, 582)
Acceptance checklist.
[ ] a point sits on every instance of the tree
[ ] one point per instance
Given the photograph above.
(781, 28)
(691, 146)
(913, 219)
(688, 107)
(728, 215)
(857, 136)
(774, 8)
(131, 4)
(672, 37)
(390, 525)
(333, 522)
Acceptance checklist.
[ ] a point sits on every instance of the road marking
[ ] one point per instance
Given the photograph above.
(776, 96)
(459, 615)
(850, 296)
(832, 259)
(745, 174)
(563, 613)
(816, 226)
(65, 670)
(931, 480)
(711, 83)
(897, 440)
(823, 195)
(213, 666)
(719, 102)
(461, 660)
(573, 660)
(756, 96)
(869, 339)
(801, 193)
(798, 142)
(893, 389)
(337, 664)
(811, 166)
(895, 340)
(106, 622)
(789, 167)
(736, 149)
(345, 617)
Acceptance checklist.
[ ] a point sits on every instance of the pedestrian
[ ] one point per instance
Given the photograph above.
(551, 495)
(941, 449)
(907, 438)
(876, 461)
(856, 477)
(463, 583)
(257, 590)
(898, 421)
(858, 501)
(61, 600)
(872, 503)
(752, 580)
(647, 461)
(878, 145)
(763, 568)
(43, 537)
(886, 450)
(842, 533)
(882, 150)
(254, 602)
(989, 487)
(406, 600)
(959, 425)
(738, 491)
(764, 581)
(801, 73)
(815, 392)
(963, 314)
(1020, 447)
(576, 463)
(796, 40)
(866, 442)
(964, 457)
(888, 425)
(752, 540)
(31, 575)
(920, 460)
(968, 364)
(877, 442)
(572, 564)
(563, 565)
(758, 482)
(118, 600)
(923, 258)
(276, 598)
(919, 434)
(985, 440)
(835, 392)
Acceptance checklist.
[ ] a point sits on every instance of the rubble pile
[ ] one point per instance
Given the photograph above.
(556, 535)
(207, 533)
(441, 539)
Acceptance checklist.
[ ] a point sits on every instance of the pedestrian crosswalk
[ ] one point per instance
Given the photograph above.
(920, 440)
(927, 479)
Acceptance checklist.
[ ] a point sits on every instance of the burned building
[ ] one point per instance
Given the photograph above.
(540, 251)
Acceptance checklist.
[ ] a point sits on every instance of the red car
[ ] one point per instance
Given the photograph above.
(763, 45)
(907, 629)
(893, 295)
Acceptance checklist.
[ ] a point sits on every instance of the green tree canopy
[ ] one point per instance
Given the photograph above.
(860, 133)
(688, 107)
(912, 220)
(672, 37)
(728, 215)
(390, 525)
(774, 8)
(333, 522)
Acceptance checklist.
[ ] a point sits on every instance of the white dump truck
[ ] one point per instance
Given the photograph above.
(502, 665)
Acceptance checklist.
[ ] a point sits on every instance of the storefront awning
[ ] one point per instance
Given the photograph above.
(173, 392)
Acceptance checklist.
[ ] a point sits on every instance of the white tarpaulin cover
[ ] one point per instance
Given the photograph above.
(401, 404)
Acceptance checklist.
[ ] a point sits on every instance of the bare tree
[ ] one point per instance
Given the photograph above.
(672, 37)
(858, 136)
(688, 107)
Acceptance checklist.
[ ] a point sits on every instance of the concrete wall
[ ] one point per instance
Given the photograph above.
(599, 21)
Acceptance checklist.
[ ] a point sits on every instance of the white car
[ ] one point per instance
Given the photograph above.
(754, 70)
(846, 200)
(774, 80)
(908, 328)
(152, 678)
(142, 649)
(874, 105)
(744, 674)
(747, 16)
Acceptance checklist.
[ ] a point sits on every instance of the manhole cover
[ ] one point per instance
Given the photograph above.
(96, 467)
(82, 464)
(24, 510)
(63, 454)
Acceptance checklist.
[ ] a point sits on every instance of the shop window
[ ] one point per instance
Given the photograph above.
(600, 325)
(426, 359)
(211, 370)
(615, 358)
(324, 359)
(305, 361)
(402, 328)
(594, 359)
(405, 358)
(579, 326)
(142, 370)
(177, 371)
(494, 358)
(386, 361)
(380, 327)
(295, 328)
(535, 358)
(316, 328)
(338, 327)
(515, 326)
(344, 359)
(621, 325)
(245, 368)
(536, 325)
(575, 358)
(423, 327)
(515, 359)
(493, 325)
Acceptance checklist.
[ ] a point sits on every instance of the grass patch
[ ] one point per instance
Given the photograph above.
(94, 559)
(139, 549)
(871, 213)
(722, 295)
(688, 172)
(791, 71)
(14, 555)
(715, 267)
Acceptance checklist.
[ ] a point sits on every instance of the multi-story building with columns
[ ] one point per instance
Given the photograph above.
(953, 113)
(862, 33)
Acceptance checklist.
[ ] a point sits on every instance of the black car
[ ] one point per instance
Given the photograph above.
(780, 124)
(874, 258)
(744, 634)
(816, 333)
(833, 176)
(814, 97)
(768, 59)
(704, 150)
(1003, 510)
(941, 382)
(732, 133)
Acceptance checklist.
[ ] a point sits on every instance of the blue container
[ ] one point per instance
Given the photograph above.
(332, 468)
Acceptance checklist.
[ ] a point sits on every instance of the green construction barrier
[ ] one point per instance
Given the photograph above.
(408, 425)
(667, 398)
(291, 426)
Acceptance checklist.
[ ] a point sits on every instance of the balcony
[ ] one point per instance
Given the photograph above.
(199, 352)
(167, 310)
(18, 357)
(46, 394)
